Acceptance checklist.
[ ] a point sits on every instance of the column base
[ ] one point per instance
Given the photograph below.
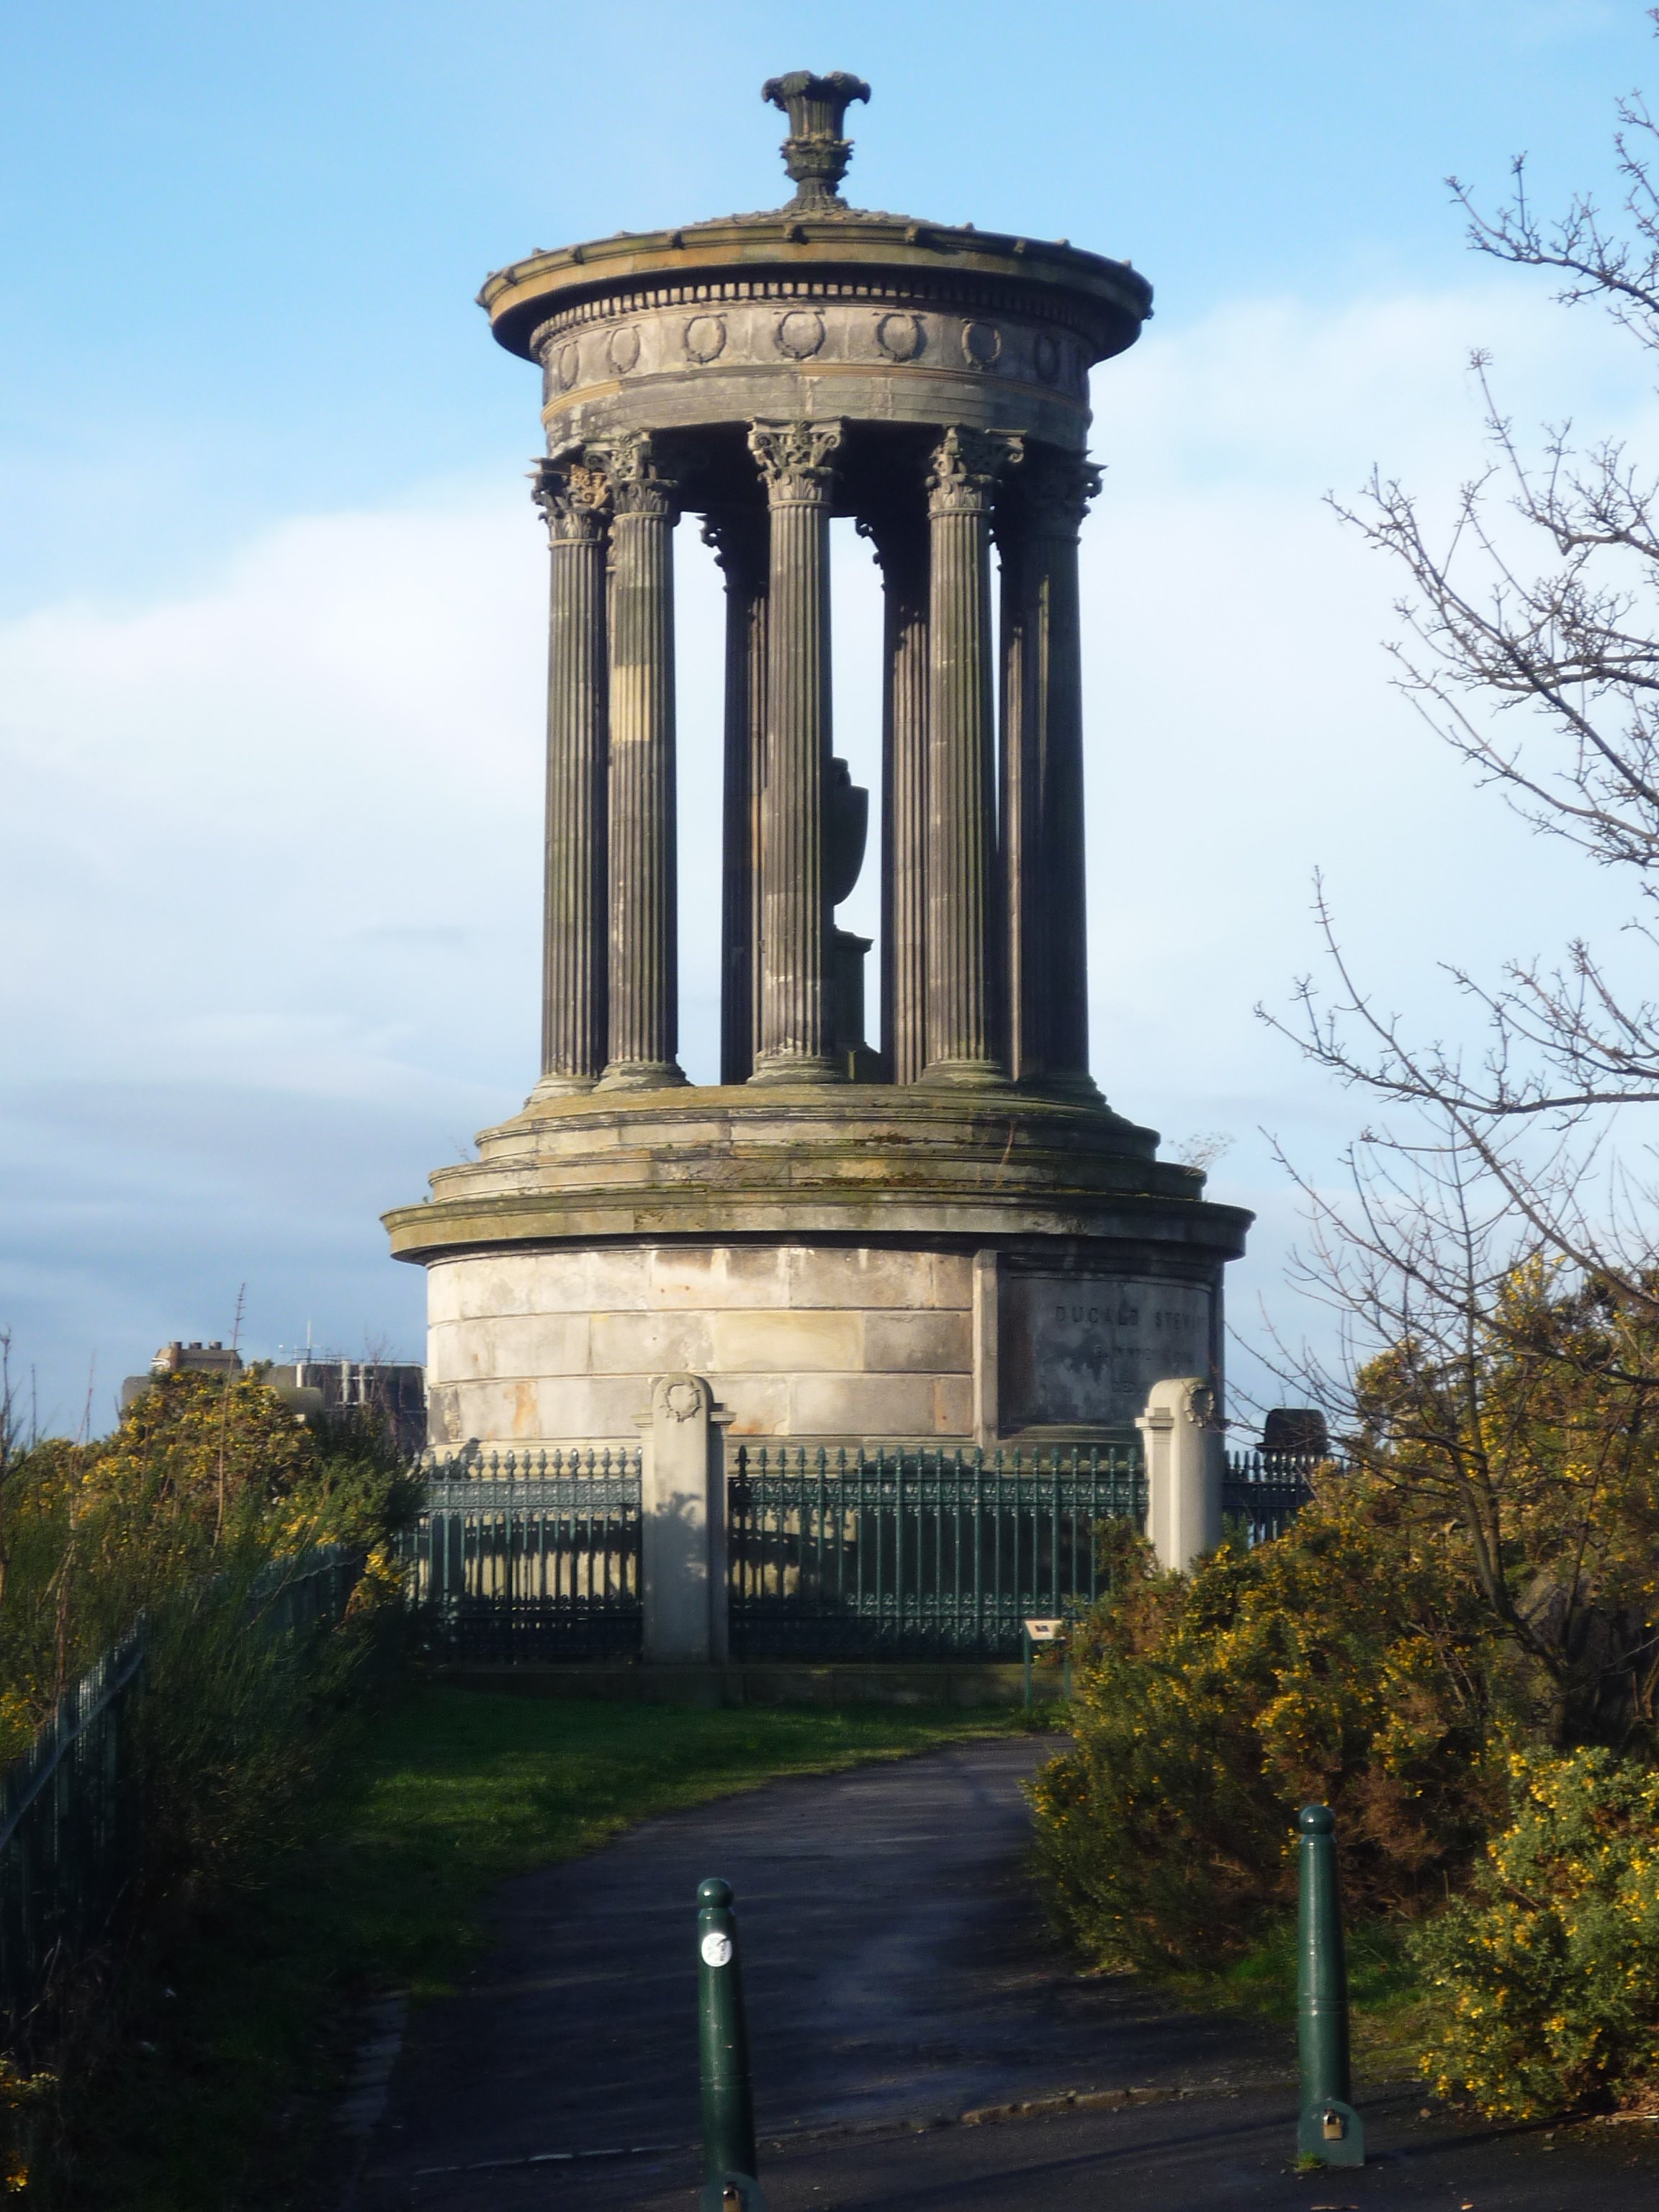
(1077, 1088)
(642, 1075)
(797, 1067)
(561, 1086)
(965, 1075)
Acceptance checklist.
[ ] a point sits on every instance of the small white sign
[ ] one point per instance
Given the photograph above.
(717, 1950)
(1045, 1631)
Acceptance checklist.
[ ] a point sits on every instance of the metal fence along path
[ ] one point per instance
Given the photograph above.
(914, 1554)
(859, 1551)
(528, 1556)
(1262, 1492)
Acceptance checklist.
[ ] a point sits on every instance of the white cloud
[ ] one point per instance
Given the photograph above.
(1243, 731)
(273, 849)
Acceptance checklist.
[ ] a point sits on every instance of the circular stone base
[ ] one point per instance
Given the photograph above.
(845, 1264)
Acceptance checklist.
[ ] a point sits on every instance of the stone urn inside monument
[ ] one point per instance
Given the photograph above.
(906, 1213)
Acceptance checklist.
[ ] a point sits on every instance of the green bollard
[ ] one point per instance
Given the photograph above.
(728, 2110)
(1330, 2130)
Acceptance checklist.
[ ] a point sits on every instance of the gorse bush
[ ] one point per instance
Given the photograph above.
(203, 1479)
(1545, 1975)
(1537, 1447)
(191, 1517)
(235, 1725)
(1357, 1661)
(1348, 1662)
(203, 1499)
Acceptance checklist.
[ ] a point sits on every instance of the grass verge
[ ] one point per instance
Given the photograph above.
(1386, 2004)
(219, 2095)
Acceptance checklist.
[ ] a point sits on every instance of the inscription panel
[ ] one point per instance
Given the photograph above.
(1083, 1351)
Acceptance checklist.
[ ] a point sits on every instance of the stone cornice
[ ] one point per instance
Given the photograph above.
(1038, 276)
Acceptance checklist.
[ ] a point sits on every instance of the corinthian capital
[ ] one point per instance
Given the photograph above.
(573, 498)
(628, 465)
(736, 537)
(1056, 490)
(965, 468)
(796, 460)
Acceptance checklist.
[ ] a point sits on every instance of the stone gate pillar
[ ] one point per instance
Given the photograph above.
(1184, 1471)
(644, 981)
(961, 1029)
(796, 1041)
(682, 1559)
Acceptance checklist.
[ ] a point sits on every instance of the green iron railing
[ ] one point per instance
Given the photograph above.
(918, 1553)
(1264, 1492)
(858, 1551)
(520, 1556)
(71, 1808)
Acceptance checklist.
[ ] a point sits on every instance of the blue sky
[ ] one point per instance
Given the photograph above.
(243, 242)
(270, 594)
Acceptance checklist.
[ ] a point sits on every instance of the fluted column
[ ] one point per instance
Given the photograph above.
(796, 1044)
(738, 537)
(1042, 777)
(963, 1042)
(1019, 767)
(1045, 761)
(644, 952)
(900, 537)
(573, 499)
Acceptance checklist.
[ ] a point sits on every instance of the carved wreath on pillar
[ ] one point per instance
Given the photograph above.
(682, 1399)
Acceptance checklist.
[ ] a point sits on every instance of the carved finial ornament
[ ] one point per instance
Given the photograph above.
(814, 155)
(573, 499)
(626, 463)
(796, 460)
(966, 466)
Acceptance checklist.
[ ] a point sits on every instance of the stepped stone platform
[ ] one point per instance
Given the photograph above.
(930, 1265)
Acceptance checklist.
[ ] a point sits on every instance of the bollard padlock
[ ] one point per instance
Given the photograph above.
(735, 2193)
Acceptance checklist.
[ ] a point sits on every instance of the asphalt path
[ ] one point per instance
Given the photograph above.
(904, 2001)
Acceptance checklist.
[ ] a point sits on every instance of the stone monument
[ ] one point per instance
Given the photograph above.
(943, 1236)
